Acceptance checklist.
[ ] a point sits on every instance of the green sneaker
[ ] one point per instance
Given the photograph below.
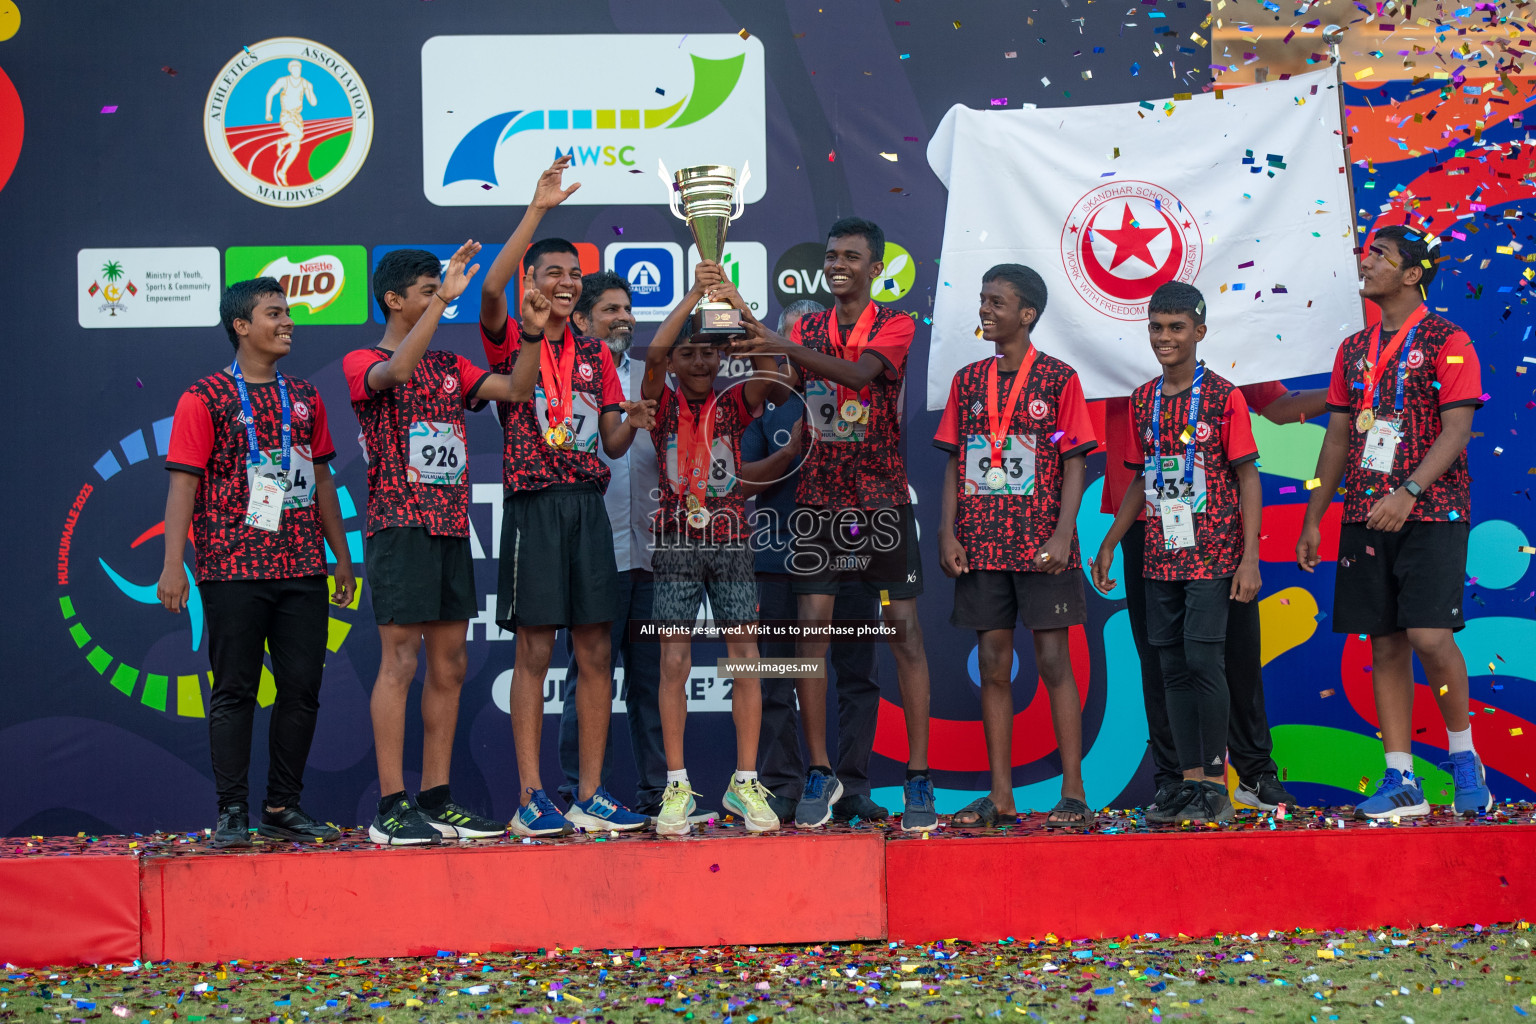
(676, 804)
(749, 801)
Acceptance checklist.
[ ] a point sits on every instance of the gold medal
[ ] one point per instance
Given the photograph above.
(850, 410)
(552, 437)
(864, 413)
(1365, 420)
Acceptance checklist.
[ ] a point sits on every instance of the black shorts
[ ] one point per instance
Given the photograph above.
(557, 566)
(686, 570)
(1411, 579)
(987, 599)
(416, 577)
(875, 547)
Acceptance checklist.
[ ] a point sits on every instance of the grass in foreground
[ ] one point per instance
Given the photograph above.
(1424, 976)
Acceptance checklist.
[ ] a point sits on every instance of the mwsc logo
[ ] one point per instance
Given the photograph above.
(699, 101)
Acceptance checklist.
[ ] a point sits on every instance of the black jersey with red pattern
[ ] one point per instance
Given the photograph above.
(1002, 529)
(1442, 373)
(1223, 441)
(530, 463)
(868, 471)
(208, 439)
(725, 502)
(415, 417)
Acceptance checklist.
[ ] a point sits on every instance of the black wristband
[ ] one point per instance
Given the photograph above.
(529, 338)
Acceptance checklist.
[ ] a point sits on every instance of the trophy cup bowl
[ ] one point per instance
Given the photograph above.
(707, 197)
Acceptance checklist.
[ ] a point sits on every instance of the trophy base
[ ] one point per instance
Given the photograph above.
(716, 325)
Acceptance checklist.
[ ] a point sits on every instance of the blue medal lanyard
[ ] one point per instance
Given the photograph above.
(1402, 372)
(1194, 419)
(252, 448)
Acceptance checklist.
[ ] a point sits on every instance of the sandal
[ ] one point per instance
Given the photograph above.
(982, 811)
(1069, 805)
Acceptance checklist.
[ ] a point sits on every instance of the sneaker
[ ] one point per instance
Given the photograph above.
(919, 815)
(1176, 805)
(1472, 793)
(858, 805)
(822, 790)
(1209, 803)
(456, 822)
(749, 801)
(293, 824)
(601, 812)
(233, 829)
(1264, 793)
(403, 824)
(783, 806)
(539, 817)
(1395, 797)
(1166, 793)
(677, 803)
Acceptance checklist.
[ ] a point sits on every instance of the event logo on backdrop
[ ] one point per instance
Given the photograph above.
(325, 284)
(288, 122)
(1124, 240)
(147, 287)
(654, 271)
(110, 553)
(498, 110)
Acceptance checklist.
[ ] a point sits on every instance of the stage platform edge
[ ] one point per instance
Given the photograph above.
(1208, 883)
(66, 910)
(625, 894)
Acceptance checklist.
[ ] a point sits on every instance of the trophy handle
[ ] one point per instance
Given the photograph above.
(674, 196)
(741, 189)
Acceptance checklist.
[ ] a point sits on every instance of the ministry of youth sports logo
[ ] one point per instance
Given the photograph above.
(1122, 240)
(288, 122)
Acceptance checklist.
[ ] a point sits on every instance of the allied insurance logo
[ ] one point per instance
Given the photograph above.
(1123, 240)
(498, 110)
(288, 122)
(110, 553)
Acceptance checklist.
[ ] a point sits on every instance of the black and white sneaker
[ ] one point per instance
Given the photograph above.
(402, 824)
(455, 822)
(233, 828)
(292, 824)
(1264, 792)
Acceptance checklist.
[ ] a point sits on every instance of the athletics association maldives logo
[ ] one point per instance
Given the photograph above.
(1124, 239)
(288, 122)
(109, 559)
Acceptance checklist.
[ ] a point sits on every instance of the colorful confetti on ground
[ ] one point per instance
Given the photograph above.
(1421, 976)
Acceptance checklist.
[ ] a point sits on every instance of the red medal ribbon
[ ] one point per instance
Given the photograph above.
(555, 372)
(853, 350)
(999, 426)
(695, 435)
(1380, 359)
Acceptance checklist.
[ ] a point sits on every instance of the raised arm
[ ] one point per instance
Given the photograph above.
(397, 369)
(547, 194)
(655, 380)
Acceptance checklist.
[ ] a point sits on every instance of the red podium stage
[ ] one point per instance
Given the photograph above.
(168, 897)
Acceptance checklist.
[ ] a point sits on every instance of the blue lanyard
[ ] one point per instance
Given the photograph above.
(252, 448)
(1402, 369)
(1194, 420)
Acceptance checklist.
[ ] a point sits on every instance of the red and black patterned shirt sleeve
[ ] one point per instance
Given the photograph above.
(1443, 372)
(208, 439)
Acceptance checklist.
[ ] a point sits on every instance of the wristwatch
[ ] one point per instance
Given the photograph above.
(1413, 489)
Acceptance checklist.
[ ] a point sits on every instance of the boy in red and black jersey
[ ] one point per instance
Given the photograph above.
(557, 565)
(1250, 748)
(1401, 401)
(249, 458)
(854, 517)
(1189, 432)
(410, 405)
(700, 544)
(1018, 434)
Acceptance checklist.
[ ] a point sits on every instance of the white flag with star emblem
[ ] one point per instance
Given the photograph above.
(1241, 196)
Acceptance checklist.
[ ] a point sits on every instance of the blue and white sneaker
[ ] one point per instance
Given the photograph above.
(1472, 793)
(601, 812)
(540, 817)
(1395, 797)
(919, 814)
(821, 792)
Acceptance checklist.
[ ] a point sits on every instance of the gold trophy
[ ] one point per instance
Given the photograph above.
(708, 198)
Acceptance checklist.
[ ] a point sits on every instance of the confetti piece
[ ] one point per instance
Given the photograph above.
(744, 34)
(831, 156)
(1517, 731)
(892, 158)
(999, 101)
(168, 70)
(618, 230)
(1367, 73)
(957, 24)
(1454, 359)
(1288, 490)
(486, 187)
(1444, 690)
(1314, 484)
(1326, 693)
(885, 595)
(1526, 549)
(714, 868)
(109, 110)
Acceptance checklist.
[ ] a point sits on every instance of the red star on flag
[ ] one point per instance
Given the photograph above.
(1130, 240)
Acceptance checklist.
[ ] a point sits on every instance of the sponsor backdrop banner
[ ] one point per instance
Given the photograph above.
(305, 138)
